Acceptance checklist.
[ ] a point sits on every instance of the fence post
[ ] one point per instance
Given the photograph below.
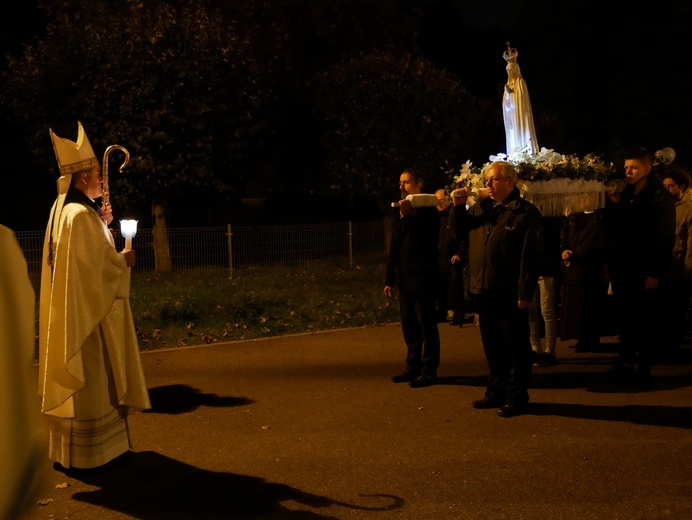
(350, 244)
(229, 240)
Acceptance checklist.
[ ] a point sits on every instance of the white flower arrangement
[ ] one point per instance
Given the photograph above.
(469, 178)
(556, 183)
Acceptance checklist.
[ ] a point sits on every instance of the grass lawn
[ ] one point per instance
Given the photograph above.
(193, 308)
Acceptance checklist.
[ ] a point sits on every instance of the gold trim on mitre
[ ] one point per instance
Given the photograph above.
(74, 157)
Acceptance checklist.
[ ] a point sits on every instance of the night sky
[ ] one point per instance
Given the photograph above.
(599, 68)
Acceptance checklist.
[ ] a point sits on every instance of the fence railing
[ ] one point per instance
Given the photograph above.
(236, 250)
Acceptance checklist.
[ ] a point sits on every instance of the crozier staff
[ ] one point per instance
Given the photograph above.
(106, 198)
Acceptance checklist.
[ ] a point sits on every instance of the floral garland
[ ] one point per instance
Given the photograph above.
(558, 183)
(546, 165)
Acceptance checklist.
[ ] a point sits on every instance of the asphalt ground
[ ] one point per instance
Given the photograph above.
(311, 427)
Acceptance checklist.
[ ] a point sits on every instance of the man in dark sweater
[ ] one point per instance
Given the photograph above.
(412, 268)
(643, 239)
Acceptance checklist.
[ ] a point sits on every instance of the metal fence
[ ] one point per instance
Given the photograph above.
(239, 250)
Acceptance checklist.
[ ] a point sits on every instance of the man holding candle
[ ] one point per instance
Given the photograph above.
(90, 371)
(505, 234)
(412, 268)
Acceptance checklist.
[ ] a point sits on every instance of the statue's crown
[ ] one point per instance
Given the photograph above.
(510, 54)
(74, 156)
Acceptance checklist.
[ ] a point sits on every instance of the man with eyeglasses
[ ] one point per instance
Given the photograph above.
(505, 254)
(679, 287)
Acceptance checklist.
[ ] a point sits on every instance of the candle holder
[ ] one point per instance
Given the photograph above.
(128, 228)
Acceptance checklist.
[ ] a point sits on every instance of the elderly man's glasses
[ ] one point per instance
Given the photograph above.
(492, 180)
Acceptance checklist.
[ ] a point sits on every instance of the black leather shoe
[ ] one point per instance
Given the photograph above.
(642, 377)
(487, 402)
(545, 360)
(406, 376)
(423, 380)
(511, 410)
(621, 370)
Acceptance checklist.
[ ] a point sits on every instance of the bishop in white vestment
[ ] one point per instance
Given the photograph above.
(90, 371)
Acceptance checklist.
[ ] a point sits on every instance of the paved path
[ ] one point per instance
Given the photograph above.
(311, 427)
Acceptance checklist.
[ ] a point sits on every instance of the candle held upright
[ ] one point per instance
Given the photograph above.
(128, 228)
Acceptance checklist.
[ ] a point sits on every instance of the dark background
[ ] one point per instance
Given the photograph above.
(602, 76)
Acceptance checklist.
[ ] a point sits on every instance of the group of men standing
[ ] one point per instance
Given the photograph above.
(503, 233)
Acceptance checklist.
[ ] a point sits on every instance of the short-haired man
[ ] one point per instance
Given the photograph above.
(505, 254)
(643, 238)
(412, 268)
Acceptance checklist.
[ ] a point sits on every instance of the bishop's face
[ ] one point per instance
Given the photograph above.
(91, 183)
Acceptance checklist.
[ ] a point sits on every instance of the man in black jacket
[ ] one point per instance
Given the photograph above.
(505, 255)
(643, 239)
(412, 268)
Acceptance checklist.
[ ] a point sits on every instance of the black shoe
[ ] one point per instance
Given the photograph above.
(511, 410)
(406, 376)
(621, 370)
(581, 348)
(487, 402)
(545, 360)
(642, 376)
(423, 380)
(535, 357)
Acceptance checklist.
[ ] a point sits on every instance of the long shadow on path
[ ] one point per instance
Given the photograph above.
(668, 416)
(177, 399)
(152, 486)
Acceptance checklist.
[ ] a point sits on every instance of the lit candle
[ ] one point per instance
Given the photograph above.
(128, 228)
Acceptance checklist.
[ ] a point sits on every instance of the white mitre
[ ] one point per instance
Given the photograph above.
(74, 157)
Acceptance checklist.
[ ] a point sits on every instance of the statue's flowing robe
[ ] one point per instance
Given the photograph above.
(520, 131)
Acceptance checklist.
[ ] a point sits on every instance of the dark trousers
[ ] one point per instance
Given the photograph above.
(420, 330)
(583, 306)
(676, 298)
(450, 292)
(639, 314)
(505, 336)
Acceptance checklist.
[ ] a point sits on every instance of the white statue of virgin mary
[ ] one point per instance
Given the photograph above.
(519, 128)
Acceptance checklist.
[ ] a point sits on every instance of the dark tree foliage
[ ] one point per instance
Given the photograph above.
(295, 41)
(308, 103)
(170, 81)
(381, 114)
